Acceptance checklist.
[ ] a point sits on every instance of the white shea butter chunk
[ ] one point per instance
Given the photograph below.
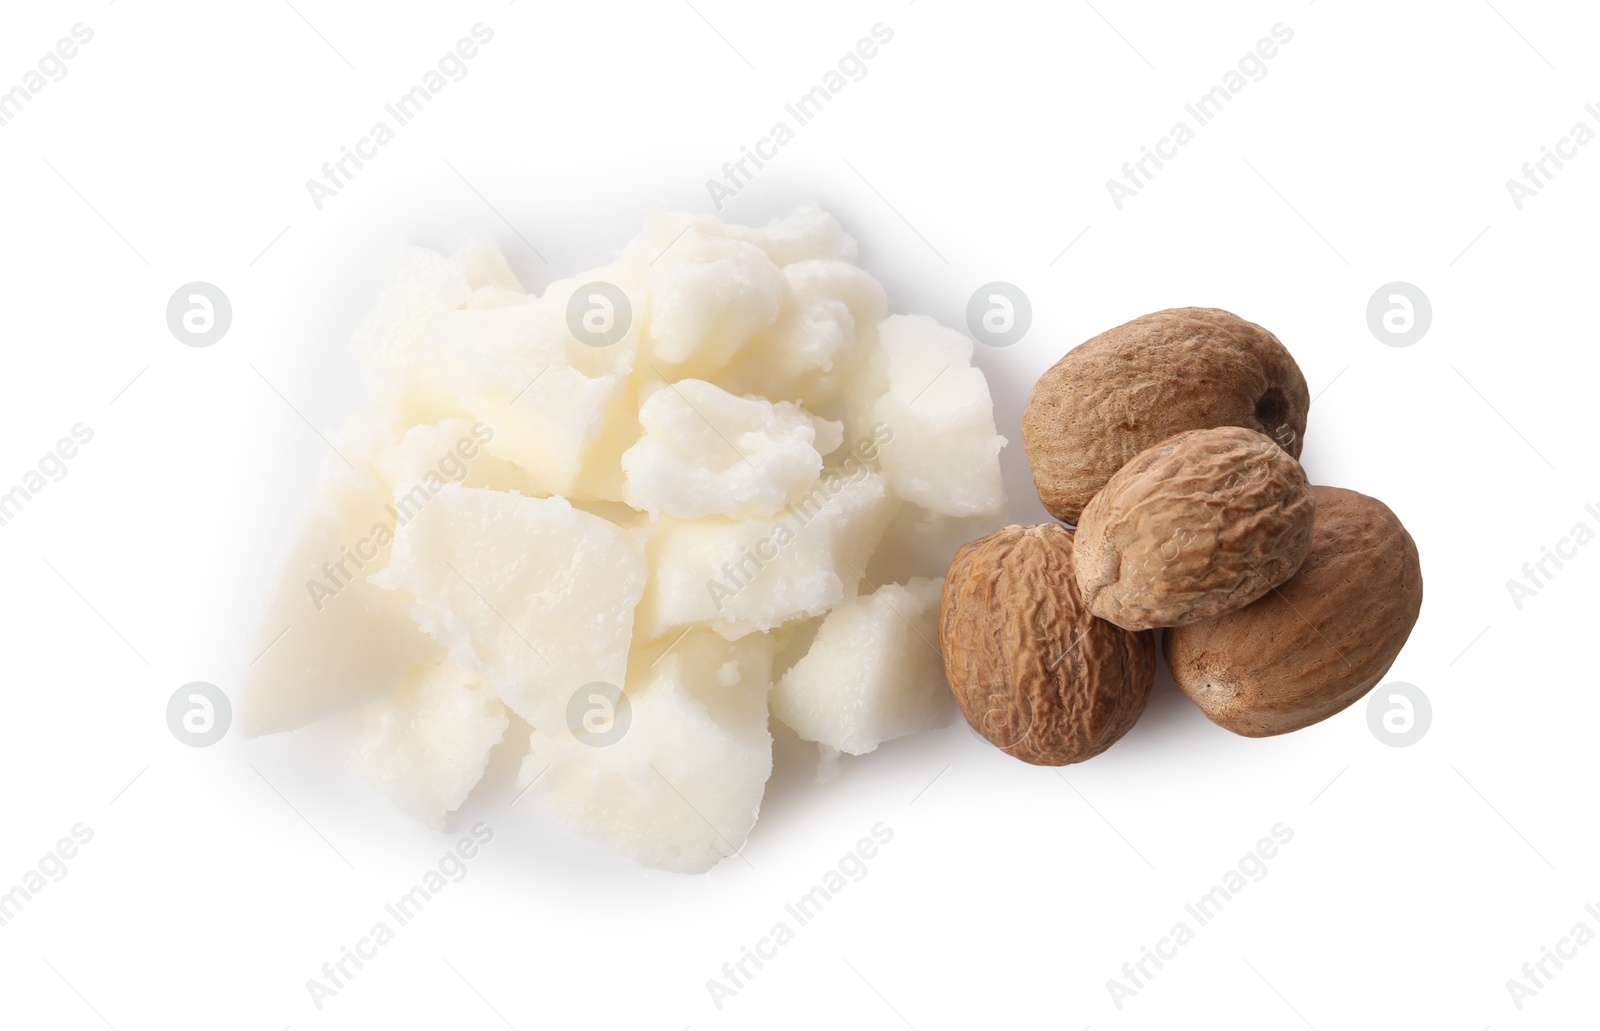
(945, 453)
(484, 265)
(393, 343)
(601, 477)
(531, 594)
(708, 452)
(826, 324)
(451, 450)
(544, 395)
(709, 294)
(427, 745)
(806, 233)
(873, 672)
(675, 781)
(329, 640)
(744, 576)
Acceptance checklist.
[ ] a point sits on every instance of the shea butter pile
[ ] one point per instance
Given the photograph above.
(618, 524)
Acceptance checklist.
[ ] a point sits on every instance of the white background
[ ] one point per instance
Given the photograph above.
(1419, 879)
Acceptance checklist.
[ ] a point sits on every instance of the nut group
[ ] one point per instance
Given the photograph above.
(1172, 443)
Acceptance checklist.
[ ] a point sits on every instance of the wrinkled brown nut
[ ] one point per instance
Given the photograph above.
(1200, 525)
(1134, 386)
(1318, 643)
(1032, 670)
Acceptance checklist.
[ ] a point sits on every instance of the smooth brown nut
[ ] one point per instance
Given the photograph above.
(1032, 670)
(1200, 525)
(1134, 386)
(1318, 643)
